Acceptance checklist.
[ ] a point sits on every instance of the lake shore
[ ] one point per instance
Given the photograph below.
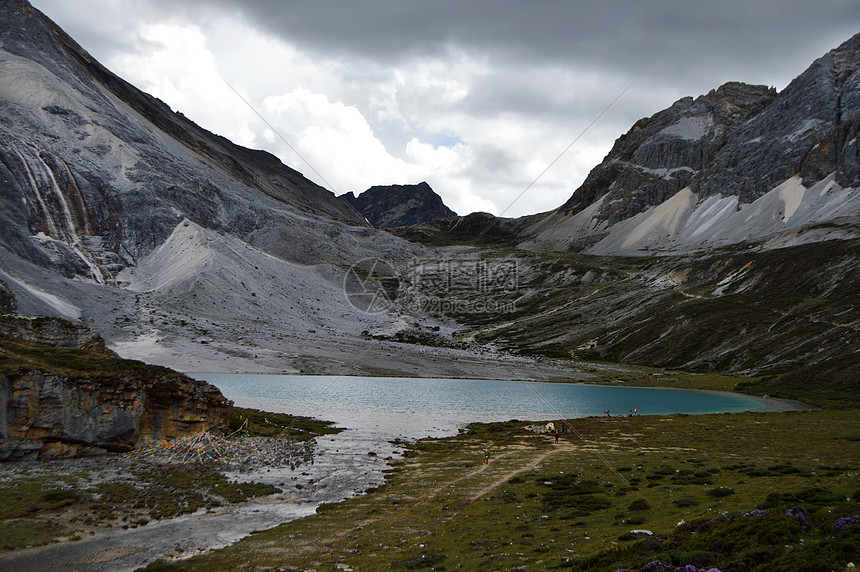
(306, 474)
(616, 494)
(343, 465)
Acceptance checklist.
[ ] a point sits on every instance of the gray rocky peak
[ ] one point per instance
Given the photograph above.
(388, 206)
(661, 154)
(674, 180)
(809, 130)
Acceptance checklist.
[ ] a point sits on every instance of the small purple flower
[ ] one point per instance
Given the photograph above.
(796, 512)
(655, 566)
(658, 566)
(754, 513)
(841, 523)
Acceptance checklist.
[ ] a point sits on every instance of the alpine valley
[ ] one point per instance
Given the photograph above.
(716, 246)
(718, 235)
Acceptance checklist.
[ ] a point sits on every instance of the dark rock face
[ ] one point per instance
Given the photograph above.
(62, 393)
(45, 414)
(739, 140)
(7, 300)
(660, 155)
(399, 205)
(810, 130)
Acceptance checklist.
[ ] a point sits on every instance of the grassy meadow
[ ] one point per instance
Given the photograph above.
(711, 491)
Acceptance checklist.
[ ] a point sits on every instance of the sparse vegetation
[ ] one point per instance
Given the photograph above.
(16, 355)
(267, 424)
(61, 507)
(581, 505)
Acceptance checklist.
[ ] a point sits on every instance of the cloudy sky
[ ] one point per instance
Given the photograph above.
(476, 98)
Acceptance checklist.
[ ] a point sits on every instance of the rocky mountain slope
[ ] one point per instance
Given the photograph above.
(117, 211)
(185, 250)
(399, 205)
(740, 164)
(742, 207)
(788, 314)
(63, 394)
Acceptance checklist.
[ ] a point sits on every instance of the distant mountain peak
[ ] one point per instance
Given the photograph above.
(388, 206)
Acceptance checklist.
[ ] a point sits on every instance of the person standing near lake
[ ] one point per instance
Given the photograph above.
(556, 436)
(487, 456)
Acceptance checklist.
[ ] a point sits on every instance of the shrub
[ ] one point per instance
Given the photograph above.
(638, 504)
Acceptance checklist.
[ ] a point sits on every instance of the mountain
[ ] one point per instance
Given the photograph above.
(102, 173)
(119, 212)
(740, 164)
(392, 206)
(741, 209)
(182, 249)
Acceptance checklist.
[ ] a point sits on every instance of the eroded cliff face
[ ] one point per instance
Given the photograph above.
(63, 394)
(47, 415)
(53, 332)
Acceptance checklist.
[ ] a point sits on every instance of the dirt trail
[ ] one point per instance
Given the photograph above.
(333, 535)
(504, 477)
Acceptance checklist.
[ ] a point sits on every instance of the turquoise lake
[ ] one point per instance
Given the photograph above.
(466, 397)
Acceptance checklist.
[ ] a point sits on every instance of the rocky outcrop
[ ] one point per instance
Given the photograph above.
(810, 130)
(64, 399)
(694, 165)
(399, 205)
(46, 414)
(661, 154)
(54, 332)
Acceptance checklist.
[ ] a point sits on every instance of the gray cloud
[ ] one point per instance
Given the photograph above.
(731, 38)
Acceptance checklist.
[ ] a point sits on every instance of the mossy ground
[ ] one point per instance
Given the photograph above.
(574, 505)
(267, 424)
(17, 355)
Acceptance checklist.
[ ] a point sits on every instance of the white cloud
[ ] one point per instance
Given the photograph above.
(478, 125)
(174, 64)
(475, 103)
(476, 162)
(334, 138)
